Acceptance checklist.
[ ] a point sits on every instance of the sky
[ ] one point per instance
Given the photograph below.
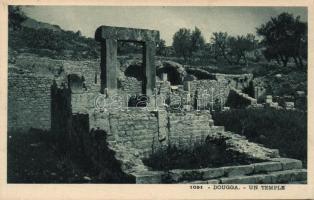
(168, 20)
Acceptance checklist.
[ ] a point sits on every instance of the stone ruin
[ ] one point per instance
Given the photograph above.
(119, 137)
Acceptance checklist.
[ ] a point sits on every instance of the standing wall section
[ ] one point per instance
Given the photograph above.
(29, 102)
(188, 129)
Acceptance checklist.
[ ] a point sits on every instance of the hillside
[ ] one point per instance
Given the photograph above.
(46, 40)
(34, 24)
(51, 41)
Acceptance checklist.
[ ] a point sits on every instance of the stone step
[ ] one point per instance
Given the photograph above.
(218, 128)
(286, 176)
(205, 174)
(295, 176)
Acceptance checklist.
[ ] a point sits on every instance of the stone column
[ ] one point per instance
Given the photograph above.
(108, 65)
(164, 76)
(150, 68)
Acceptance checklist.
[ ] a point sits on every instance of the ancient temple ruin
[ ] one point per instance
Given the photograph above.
(174, 114)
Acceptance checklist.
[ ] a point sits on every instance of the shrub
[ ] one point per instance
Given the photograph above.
(285, 130)
(201, 155)
(36, 157)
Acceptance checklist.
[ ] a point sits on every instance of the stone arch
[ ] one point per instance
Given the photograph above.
(173, 76)
(201, 74)
(76, 82)
(174, 72)
(136, 71)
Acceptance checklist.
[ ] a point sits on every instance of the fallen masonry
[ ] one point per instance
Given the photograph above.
(119, 137)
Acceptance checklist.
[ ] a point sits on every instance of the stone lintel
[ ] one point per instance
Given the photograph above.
(128, 34)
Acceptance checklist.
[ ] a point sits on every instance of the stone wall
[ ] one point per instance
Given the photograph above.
(237, 81)
(188, 129)
(135, 127)
(148, 131)
(238, 99)
(88, 69)
(29, 80)
(130, 85)
(208, 92)
(226, 90)
(59, 69)
(28, 102)
(89, 74)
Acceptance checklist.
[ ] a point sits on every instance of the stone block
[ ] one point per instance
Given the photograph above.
(218, 128)
(213, 181)
(179, 175)
(300, 175)
(239, 180)
(289, 163)
(263, 179)
(269, 97)
(173, 176)
(197, 182)
(269, 101)
(211, 122)
(148, 177)
(238, 170)
(289, 105)
(267, 167)
(122, 33)
(289, 176)
(209, 173)
(301, 94)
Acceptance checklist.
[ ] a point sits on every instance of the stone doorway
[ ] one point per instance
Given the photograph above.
(134, 72)
(109, 37)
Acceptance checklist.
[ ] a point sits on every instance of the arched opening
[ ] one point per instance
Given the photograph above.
(76, 82)
(173, 76)
(135, 71)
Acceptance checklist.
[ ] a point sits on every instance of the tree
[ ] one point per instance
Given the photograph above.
(197, 41)
(78, 33)
(240, 45)
(284, 37)
(187, 42)
(161, 47)
(16, 17)
(231, 48)
(182, 43)
(220, 45)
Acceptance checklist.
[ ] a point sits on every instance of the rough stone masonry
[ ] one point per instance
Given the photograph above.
(129, 134)
(109, 36)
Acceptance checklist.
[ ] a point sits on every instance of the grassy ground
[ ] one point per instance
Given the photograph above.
(207, 154)
(33, 158)
(36, 157)
(285, 130)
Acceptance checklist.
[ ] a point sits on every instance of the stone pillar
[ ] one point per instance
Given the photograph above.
(269, 99)
(150, 68)
(164, 76)
(108, 65)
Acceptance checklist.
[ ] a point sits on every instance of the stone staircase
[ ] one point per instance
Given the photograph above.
(275, 171)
